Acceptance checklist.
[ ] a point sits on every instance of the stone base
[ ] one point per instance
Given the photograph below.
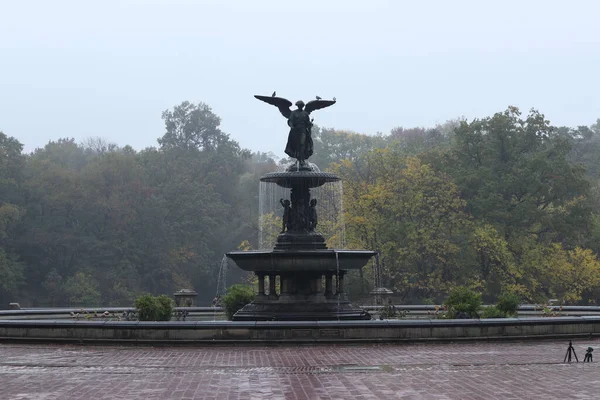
(300, 241)
(307, 311)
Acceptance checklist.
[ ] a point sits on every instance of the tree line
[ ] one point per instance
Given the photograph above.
(507, 203)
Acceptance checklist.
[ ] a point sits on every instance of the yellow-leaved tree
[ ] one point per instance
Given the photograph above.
(411, 214)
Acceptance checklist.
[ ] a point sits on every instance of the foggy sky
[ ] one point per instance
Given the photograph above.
(109, 68)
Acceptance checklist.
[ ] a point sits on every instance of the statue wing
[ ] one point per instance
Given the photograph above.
(317, 104)
(279, 102)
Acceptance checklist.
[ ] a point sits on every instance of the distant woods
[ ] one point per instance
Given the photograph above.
(506, 203)
(98, 224)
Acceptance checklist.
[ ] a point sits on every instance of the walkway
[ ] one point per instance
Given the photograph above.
(519, 370)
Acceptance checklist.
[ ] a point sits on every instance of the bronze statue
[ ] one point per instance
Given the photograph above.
(300, 143)
(286, 215)
(312, 215)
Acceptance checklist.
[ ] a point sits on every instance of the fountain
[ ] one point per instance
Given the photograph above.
(300, 256)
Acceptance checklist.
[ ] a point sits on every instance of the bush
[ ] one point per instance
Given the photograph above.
(463, 303)
(237, 297)
(150, 308)
(493, 312)
(165, 307)
(388, 311)
(508, 303)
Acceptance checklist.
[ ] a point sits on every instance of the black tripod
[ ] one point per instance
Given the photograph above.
(570, 350)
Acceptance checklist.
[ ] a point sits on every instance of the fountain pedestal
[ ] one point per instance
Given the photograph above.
(311, 276)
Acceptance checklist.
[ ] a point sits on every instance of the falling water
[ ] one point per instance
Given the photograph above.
(221, 281)
(269, 213)
(342, 224)
(337, 283)
(222, 277)
(329, 209)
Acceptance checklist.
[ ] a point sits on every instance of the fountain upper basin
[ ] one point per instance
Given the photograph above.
(310, 179)
(300, 260)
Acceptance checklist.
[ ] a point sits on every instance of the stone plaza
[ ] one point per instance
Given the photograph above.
(464, 370)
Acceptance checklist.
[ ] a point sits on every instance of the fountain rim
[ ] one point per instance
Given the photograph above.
(290, 178)
(289, 252)
(300, 260)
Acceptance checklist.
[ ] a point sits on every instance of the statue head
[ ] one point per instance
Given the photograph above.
(286, 202)
(300, 104)
(313, 202)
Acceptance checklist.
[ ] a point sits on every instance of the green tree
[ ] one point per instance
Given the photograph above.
(515, 174)
(331, 145)
(12, 163)
(81, 289)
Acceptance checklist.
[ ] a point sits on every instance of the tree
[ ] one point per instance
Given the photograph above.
(81, 289)
(12, 163)
(515, 174)
(332, 145)
(191, 126)
(416, 141)
(497, 268)
(408, 212)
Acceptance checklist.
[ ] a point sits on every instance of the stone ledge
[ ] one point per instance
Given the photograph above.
(191, 332)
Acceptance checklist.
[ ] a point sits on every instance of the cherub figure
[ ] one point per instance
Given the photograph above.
(312, 215)
(286, 215)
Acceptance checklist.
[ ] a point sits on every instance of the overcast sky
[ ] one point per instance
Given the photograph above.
(109, 68)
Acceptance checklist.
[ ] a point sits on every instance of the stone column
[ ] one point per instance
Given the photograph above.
(328, 285)
(314, 285)
(261, 284)
(341, 282)
(272, 291)
(284, 287)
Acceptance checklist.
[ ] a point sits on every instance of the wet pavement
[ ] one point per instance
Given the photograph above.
(503, 370)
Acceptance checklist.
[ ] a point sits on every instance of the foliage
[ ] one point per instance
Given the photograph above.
(506, 307)
(156, 220)
(165, 307)
(493, 312)
(463, 302)
(516, 175)
(508, 303)
(331, 146)
(151, 308)
(389, 311)
(408, 212)
(81, 289)
(237, 297)
(505, 203)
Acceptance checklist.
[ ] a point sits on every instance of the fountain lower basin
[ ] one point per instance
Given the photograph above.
(327, 260)
(301, 274)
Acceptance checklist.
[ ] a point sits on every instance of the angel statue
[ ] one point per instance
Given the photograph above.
(300, 143)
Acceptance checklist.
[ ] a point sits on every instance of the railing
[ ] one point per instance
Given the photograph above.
(106, 313)
(217, 313)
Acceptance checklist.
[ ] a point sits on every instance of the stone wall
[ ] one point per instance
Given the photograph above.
(297, 332)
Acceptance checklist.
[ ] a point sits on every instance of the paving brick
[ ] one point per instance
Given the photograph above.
(502, 370)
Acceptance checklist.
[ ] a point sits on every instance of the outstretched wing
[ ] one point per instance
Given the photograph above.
(279, 102)
(317, 104)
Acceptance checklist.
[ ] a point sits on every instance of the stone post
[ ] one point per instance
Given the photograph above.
(261, 284)
(328, 285)
(272, 290)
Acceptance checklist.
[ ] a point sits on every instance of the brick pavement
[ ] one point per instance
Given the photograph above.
(504, 370)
